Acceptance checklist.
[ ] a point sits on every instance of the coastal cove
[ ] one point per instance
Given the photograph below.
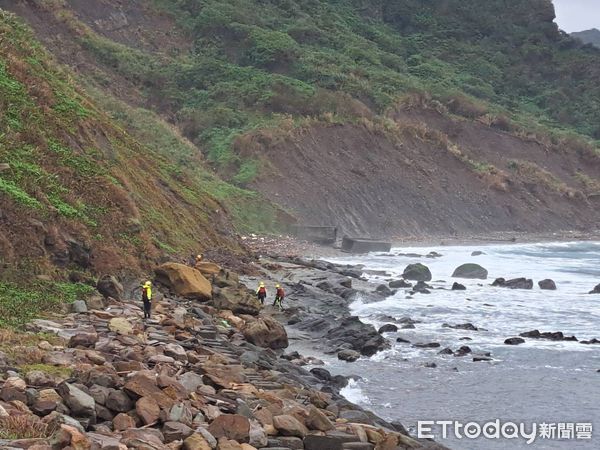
(540, 380)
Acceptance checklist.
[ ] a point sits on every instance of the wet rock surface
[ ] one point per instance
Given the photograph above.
(470, 271)
(553, 336)
(417, 272)
(198, 377)
(515, 283)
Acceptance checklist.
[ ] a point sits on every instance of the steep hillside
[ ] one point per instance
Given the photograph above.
(271, 91)
(79, 193)
(589, 36)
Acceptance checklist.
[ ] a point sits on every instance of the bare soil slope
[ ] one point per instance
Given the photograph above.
(429, 175)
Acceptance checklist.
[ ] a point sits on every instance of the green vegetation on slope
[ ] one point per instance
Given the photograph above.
(19, 305)
(256, 63)
(83, 193)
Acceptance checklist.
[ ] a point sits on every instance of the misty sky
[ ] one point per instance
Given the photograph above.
(577, 15)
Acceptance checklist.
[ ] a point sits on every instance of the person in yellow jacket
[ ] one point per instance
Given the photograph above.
(147, 299)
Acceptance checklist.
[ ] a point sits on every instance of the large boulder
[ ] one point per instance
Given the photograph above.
(109, 286)
(208, 269)
(184, 281)
(417, 272)
(470, 271)
(266, 332)
(239, 300)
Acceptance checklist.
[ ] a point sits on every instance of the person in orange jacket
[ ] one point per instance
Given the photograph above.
(279, 296)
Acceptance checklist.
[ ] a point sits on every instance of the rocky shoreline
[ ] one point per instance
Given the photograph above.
(208, 371)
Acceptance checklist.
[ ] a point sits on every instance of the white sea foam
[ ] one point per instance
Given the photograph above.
(354, 393)
(538, 380)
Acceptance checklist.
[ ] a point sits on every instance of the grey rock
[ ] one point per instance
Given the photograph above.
(547, 285)
(356, 416)
(190, 381)
(119, 401)
(79, 307)
(348, 355)
(176, 431)
(388, 328)
(417, 272)
(80, 403)
(470, 271)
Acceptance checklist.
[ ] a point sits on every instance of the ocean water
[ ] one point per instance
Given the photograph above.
(531, 384)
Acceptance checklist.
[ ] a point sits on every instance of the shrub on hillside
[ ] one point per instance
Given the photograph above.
(464, 106)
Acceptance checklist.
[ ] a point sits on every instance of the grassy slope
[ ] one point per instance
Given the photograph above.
(78, 182)
(265, 64)
(255, 61)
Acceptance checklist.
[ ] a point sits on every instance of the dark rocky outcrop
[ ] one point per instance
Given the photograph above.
(399, 284)
(427, 345)
(421, 288)
(361, 337)
(463, 351)
(547, 285)
(388, 328)
(463, 326)
(384, 291)
(515, 283)
(514, 341)
(458, 287)
(596, 290)
(553, 336)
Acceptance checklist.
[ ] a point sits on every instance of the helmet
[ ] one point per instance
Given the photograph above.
(262, 284)
(277, 286)
(147, 284)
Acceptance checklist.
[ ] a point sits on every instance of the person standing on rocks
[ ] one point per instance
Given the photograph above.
(279, 296)
(261, 293)
(147, 299)
(198, 259)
